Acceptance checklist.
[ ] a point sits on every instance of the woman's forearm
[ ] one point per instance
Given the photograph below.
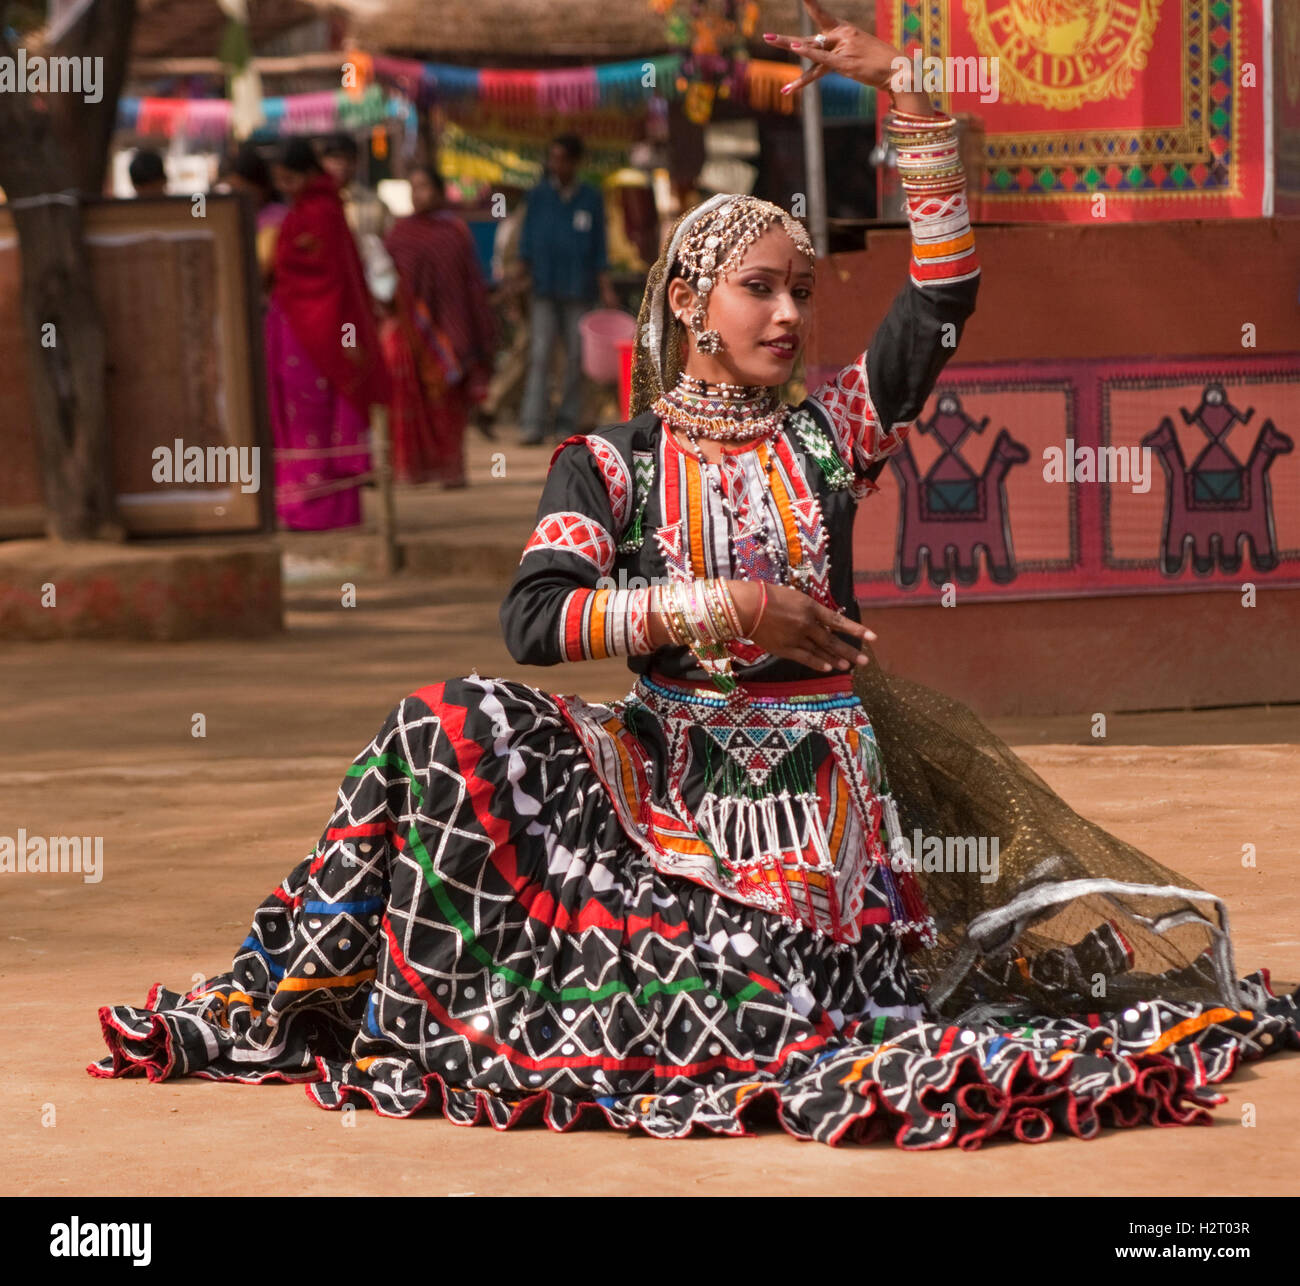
(913, 103)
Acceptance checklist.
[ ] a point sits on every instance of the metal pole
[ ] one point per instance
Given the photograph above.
(386, 518)
(814, 156)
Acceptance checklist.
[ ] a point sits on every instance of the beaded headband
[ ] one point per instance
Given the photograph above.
(728, 232)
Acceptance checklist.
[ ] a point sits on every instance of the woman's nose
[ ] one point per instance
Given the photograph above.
(787, 310)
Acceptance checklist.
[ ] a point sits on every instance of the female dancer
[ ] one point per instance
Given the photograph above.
(694, 902)
(324, 367)
(446, 322)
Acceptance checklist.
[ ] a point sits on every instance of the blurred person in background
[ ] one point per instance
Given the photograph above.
(562, 248)
(147, 173)
(248, 174)
(367, 215)
(440, 338)
(324, 366)
(510, 302)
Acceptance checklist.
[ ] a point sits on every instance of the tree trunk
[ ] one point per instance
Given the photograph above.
(66, 363)
(54, 149)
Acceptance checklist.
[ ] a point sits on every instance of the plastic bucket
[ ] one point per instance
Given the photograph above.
(602, 330)
(626, 349)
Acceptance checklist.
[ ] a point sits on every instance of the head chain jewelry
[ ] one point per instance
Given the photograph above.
(717, 242)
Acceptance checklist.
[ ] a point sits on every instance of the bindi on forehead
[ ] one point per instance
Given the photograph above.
(776, 255)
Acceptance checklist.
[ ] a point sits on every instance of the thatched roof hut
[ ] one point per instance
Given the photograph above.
(481, 32)
(193, 28)
(517, 30)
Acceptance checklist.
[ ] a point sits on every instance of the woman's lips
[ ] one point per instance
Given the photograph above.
(786, 347)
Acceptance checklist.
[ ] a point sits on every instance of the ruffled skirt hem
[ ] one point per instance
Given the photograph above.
(921, 1085)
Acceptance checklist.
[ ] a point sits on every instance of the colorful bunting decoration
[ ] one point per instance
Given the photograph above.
(623, 85)
(210, 119)
(391, 87)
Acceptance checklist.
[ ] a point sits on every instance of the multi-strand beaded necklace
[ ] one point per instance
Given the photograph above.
(720, 412)
(733, 413)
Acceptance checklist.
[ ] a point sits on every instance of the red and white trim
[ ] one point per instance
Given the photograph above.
(573, 533)
(613, 471)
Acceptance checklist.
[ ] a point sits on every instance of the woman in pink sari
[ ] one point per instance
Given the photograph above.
(447, 327)
(324, 367)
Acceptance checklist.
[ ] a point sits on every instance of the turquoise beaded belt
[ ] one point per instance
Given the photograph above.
(805, 695)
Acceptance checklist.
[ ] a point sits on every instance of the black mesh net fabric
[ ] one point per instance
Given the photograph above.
(1076, 919)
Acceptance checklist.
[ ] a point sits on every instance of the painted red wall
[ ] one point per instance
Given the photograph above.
(1118, 290)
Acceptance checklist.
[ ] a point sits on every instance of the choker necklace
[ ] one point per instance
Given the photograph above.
(720, 412)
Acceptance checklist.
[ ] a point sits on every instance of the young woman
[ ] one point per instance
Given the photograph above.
(674, 909)
(249, 174)
(324, 367)
(444, 312)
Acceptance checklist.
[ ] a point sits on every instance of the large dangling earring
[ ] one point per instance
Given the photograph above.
(706, 341)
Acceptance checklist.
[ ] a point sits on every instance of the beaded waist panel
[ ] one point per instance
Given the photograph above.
(775, 802)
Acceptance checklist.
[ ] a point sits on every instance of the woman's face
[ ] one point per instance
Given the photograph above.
(424, 196)
(762, 310)
(289, 182)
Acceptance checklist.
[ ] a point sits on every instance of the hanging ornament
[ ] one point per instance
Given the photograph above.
(716, 47)
(699, 102)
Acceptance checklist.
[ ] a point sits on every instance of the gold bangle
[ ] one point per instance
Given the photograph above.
(728, 600)
(720, 627)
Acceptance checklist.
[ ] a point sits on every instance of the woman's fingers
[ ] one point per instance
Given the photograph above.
(812, 74)
(842, 624)
(849, 652)
(805, 657)
(821, 652)
(827, 647)
(802, 45)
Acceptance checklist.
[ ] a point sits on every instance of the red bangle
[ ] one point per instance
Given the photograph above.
(762, 607)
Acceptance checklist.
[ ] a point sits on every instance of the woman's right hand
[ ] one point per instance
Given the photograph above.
(845, 49)
(797, 628)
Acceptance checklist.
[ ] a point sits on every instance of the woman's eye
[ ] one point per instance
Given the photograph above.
(757, 285)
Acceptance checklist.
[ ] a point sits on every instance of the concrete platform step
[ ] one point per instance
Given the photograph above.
(163, 590)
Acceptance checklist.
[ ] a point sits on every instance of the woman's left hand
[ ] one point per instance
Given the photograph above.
(841, 48)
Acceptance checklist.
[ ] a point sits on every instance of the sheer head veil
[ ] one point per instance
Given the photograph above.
(734, 219)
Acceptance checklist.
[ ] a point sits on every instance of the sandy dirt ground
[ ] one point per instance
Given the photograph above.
(95, 738)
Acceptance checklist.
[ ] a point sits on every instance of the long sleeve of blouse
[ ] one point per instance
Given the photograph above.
(873, 402)
(556, 609)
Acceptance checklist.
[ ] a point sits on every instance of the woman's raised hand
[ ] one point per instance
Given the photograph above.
(795, 627)
(840, 47)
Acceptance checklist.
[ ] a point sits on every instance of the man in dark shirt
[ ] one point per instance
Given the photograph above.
(147, 173)
(562, 249)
